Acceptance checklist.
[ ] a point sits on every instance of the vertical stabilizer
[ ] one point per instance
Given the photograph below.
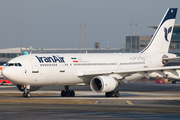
(162, 37)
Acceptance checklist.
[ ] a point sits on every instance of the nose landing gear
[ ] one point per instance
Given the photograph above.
(28, 95)
(27, 91)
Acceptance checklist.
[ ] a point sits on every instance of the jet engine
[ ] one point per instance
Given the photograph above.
(103, 84)
(22, 88)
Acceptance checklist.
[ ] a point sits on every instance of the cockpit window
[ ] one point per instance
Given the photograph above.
(11, 64)
(14, 64)
(19, 64)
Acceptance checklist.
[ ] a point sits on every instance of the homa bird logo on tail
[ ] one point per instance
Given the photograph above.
(167, 32)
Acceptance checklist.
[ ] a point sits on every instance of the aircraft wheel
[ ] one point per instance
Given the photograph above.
(63, 93)
(113, 94)
(28, 95)
(72, 93)
(24, 94)
(68, 94)
(108, 94)
(116, 94)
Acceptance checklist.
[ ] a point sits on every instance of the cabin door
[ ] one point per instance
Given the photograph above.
(35, 68)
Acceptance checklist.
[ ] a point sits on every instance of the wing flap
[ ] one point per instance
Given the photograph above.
(174, 72)
(144, 74)
(161, 73)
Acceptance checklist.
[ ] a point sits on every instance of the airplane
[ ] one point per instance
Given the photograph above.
(102, 71)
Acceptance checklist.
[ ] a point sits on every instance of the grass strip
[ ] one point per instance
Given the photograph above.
(21, 94)
(49, 101)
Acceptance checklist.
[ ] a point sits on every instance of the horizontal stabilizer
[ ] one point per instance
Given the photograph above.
(174, 58)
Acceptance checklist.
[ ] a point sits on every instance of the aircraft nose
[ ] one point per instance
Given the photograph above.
(5, 73)
(2, 72)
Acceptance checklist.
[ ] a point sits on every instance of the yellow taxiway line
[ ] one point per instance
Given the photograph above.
(129, 102)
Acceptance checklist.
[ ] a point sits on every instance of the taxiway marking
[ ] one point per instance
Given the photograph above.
(129, 102)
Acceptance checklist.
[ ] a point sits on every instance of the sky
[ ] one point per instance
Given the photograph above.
(55, 23)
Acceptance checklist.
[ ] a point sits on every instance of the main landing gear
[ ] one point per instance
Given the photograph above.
(67, 92)
(112, 94)
(27, 91)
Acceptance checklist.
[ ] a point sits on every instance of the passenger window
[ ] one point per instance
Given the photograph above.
(16, 64)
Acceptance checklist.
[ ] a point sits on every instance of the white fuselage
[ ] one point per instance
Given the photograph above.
(63, 69)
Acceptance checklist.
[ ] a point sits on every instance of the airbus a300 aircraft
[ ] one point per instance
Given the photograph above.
(103, 72)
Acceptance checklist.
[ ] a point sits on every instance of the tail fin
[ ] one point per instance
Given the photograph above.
(162, 37)
(25, 53)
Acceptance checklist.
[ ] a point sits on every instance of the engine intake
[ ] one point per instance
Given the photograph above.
(103, 84)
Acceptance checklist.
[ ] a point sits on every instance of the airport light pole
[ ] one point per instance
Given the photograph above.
(21, 38)
(84, 34)
(80, 38)
(26, 36)
(136, 35)
(131, 36)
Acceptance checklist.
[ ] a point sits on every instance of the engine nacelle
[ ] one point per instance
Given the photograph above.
(103, 84)
(22, 88)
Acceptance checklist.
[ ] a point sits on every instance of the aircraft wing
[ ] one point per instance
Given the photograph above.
(126, 72)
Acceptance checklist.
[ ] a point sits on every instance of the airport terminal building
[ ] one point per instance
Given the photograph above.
(137, 43)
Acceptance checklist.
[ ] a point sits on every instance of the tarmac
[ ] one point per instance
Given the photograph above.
(138, 100)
